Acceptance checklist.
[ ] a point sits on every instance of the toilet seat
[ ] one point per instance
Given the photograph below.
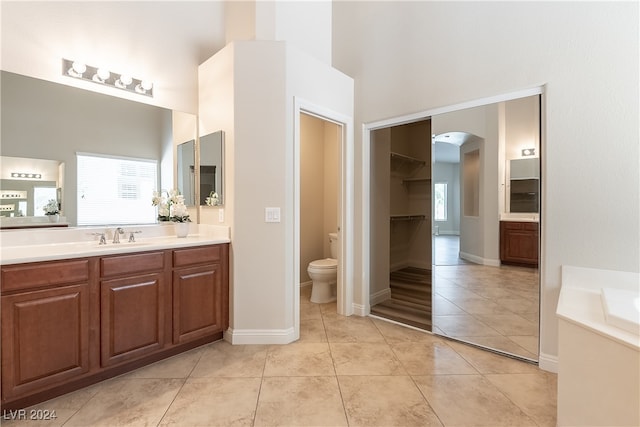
(324, 264)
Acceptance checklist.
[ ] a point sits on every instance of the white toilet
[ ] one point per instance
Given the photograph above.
(324, 274)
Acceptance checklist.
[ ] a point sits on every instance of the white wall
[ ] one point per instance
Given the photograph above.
(449, 173)
(406, 58)
(248, 90)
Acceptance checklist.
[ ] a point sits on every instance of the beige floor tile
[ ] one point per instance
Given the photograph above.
(444, 307)
(365, 359)
(312, 330)
(351, 329)
(431, 359)
(487, 362)
(128, 402)
(30, 417)
(300, 401)
(385, 401)
(529, 343)
(310, 311)
(214, 402)
(470, 400)
(535, 393)
(509, 324)
(394, 333)
(222, 359)
(299, 359)
(179, 366)
(463, 326)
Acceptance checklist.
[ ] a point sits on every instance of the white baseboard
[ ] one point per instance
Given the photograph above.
(548, 362)
(260, 336)
(479, 260)
(360, 310)
(380, 296)
(305, 284)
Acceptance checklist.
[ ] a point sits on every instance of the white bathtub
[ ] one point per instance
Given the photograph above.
(598, 348)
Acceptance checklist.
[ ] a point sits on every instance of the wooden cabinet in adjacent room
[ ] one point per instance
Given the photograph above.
(45, 325)
(519, 243)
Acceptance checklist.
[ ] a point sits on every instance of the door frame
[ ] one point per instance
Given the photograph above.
(346, 231)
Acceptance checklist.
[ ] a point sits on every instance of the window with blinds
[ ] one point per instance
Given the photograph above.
(115, 190)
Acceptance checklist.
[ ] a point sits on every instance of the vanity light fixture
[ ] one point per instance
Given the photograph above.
(528, 152)
(26, 175)
(105, 77)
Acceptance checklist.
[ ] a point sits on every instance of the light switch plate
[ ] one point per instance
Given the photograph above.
(220, 215)
(271, 214)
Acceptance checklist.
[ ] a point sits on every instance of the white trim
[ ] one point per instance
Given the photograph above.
(548, 362)
(479, 260)
(259, 336)
(360, 310)
(346, 221)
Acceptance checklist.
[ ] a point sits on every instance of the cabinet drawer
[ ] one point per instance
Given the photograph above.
(131, 263)
(30, 276)
(195, 256)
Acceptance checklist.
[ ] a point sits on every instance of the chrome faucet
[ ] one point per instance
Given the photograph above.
(116, 234)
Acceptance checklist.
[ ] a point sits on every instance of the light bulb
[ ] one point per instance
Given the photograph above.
(77, 69)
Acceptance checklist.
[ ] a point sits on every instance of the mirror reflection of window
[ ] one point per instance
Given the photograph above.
(440, 198)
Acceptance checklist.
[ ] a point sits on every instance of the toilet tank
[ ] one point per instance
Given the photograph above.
(333, 245)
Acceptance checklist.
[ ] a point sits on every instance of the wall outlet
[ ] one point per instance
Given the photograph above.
(271, 214)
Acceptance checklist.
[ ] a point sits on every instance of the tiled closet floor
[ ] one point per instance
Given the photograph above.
(351, 371)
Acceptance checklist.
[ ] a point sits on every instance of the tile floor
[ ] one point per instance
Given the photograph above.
(344, 371)
(496, 307)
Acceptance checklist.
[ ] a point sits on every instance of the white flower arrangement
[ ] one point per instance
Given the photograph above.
(51, 208)
(213, 199)
(179, 212)
(163, 199)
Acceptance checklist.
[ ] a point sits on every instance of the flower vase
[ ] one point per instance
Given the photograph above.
(54, 218)
(182, 229)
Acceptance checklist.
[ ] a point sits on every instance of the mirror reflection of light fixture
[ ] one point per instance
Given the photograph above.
(105, 77)
(527, 152)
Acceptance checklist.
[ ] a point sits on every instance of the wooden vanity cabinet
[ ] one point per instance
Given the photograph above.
(71, 323)
(45, 325)
(519, 243)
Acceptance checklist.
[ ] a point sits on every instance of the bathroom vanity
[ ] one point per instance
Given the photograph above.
(519, 242)
(88, 314)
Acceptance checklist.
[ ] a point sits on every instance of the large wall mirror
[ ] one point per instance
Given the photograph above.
(211, 169)
(72, 120)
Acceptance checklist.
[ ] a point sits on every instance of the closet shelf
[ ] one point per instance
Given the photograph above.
(408, 217)
(411, 180)
(405, 164)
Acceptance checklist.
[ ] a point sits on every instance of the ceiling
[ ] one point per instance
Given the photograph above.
(163, 41)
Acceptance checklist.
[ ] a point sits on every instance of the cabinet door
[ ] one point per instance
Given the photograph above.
(132, 317)
(45, 338)
(197, 302)
(519, 243)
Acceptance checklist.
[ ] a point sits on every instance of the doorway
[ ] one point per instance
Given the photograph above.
(339, 128)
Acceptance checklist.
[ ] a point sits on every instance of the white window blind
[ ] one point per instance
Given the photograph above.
(115, 190)
(440, 201)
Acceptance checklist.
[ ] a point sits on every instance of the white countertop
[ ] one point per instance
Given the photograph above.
(22, 246)
(580, 300)
(520, 217)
